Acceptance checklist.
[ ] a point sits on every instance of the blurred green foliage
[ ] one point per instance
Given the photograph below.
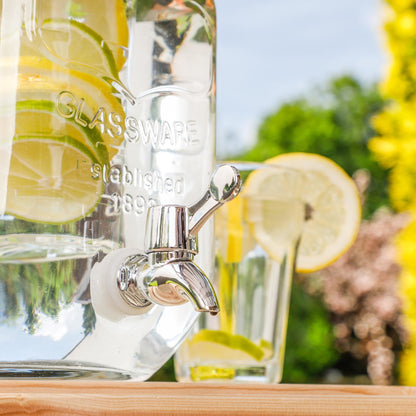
(166, 373)
(310, 342)
(334, 121)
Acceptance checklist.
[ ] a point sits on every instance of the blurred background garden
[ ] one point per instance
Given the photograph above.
(338, 79)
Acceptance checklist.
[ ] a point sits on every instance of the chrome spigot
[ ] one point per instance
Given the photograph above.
(166, 274)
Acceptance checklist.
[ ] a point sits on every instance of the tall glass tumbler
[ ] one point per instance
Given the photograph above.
(257, 236)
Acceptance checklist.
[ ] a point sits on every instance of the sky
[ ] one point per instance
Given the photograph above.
(271, 51)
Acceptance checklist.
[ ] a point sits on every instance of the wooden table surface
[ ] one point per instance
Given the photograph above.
(154, 398)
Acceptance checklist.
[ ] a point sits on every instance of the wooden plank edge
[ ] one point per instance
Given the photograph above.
(131, 398)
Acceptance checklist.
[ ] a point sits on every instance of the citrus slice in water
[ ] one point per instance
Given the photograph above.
(41, 118)
(110, 22)
(76, 43)
(229, 230)
(332, 208)
(216, 345)
(39, 78)
(107, 18)
(50, 180)
(80, 97)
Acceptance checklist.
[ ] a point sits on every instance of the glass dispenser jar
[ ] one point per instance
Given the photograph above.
(107, 109)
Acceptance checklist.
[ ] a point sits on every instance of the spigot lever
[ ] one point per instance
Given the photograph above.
(225, 185)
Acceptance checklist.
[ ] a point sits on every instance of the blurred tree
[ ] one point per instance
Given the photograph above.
(334, 122)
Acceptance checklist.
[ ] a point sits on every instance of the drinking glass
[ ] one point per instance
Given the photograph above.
(257, 236)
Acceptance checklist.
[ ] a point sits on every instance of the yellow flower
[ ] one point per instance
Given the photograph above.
(403, 179)
(385, 150)
(405, 23)
(407, 367)
(395, 149)
(401, 5)
(399, 84)
(406, 245)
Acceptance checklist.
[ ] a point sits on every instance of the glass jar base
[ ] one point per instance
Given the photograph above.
(60, 370)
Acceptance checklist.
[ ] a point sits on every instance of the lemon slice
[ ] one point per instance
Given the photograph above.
(275, 223)
(210, 344)
(76, 43)
(41, 118)
(267, 347)
(333, 209)
(50, 180)
(210, 372)
(39, 78)
(229, 230)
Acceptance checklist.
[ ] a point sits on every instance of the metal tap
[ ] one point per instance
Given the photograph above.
(166, 274)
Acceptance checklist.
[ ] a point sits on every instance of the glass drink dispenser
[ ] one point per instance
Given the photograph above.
(107, 142)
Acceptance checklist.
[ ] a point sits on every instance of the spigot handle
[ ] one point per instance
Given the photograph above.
(224, 186)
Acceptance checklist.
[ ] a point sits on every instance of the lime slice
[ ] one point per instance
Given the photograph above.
(110, 22)
(41, 118)
(333, 209)
(221, 345)
(107, 18)
(50, 180)
(77, 44)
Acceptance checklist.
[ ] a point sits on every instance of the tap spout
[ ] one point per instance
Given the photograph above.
(179, 281)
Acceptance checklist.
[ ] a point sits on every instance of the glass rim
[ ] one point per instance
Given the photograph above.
(246, 165)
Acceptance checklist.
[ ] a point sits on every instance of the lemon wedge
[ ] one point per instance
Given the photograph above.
(331, 201)
(50, 181)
